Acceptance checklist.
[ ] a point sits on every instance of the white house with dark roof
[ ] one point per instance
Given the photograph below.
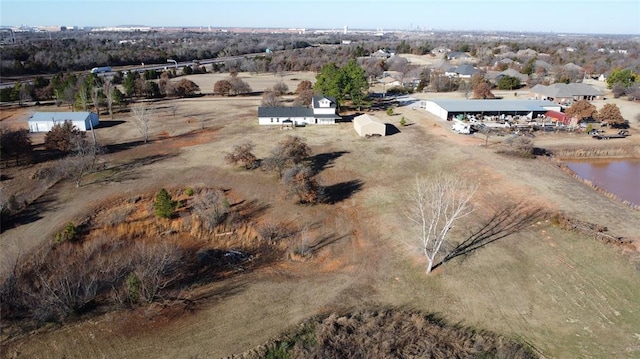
(323, 111)
(44, 121)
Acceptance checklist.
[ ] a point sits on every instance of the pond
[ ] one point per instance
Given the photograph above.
(620, 177)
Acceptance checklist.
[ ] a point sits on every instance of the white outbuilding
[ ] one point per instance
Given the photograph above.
(44, 121)
(367, 125)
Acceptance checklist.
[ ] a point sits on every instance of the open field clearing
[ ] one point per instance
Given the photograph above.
(564, 293)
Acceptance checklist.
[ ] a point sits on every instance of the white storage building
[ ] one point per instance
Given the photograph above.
(366, 125)
(44, 121)
(447, 109)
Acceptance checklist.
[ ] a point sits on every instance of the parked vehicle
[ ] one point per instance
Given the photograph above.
(98, 70)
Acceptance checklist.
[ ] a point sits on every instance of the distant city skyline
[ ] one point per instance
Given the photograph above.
(563, 16)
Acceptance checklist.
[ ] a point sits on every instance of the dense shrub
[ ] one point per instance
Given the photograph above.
(390, 334)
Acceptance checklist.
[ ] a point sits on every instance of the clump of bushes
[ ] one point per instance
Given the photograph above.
(390, 334)
(519, 146)
(69, 233)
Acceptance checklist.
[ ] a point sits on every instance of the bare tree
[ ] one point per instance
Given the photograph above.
(465, 88)
(95, 98)
(434, 205)
(289, 152)
(304, 98)
(107, 88)
(242, 154)
(83, 94)
(271, 99)
(211, 207)
(299, 181)
(141, 119)
(173, 108)
(83, 159)
(280, 88)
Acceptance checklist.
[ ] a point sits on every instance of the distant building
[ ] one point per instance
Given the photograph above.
(382, 54)
(462, 71)
(563, 93)
(44, 121)
(497, 76)
(458, 56)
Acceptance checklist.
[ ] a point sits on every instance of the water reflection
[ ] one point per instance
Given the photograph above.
(620, 177)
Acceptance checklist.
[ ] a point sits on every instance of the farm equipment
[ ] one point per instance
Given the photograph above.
(604, 136)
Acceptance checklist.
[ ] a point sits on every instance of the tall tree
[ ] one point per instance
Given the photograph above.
(300, 182)
(15, 144)
(222, 87)
(129, 83)
(242, 154)
(107, 89)
(304, 85)
(610, 113)
(280, 88)
(348, 82)
(63, 137)
(581, 110)
(271, 99)
(185, 88)
(508, 83)
(481, 88)
(434, 205)
(329, 82)
(356, 84)
(141, 119)
(83, 158)
(164, 206)
(289, 152)
(625, 77)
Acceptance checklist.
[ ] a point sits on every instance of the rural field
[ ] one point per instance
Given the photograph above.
(562, 292)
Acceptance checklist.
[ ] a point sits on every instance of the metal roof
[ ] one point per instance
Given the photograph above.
(59, 116)
(494, 105)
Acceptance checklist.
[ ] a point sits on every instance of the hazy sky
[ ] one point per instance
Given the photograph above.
(584, 16)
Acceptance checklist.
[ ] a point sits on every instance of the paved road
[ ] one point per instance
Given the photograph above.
(140, 68)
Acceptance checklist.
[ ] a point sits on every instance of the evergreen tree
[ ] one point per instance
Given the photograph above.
(164, 206)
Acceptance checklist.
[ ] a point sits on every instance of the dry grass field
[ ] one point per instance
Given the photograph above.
(564, 293)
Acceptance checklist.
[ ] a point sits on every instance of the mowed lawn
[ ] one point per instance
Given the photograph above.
(567, 295)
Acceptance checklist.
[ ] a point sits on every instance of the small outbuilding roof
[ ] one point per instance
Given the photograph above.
(59, 116)
(367, 125)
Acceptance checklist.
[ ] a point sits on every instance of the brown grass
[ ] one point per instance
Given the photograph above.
(388, 334)
(124, 239)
